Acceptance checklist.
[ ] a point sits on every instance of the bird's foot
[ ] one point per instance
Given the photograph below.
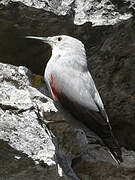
(42, 120)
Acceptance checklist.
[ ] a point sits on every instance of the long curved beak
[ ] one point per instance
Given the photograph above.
(44, 39)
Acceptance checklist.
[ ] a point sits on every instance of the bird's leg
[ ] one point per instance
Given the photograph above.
(43, 120)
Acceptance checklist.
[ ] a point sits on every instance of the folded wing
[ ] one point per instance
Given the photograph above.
(80, 97)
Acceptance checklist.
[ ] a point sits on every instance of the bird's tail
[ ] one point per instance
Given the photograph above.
(114, 148)
(104, 131)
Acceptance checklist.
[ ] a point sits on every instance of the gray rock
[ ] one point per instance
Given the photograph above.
(112, 66)
(105, 12)
(19, 125)
(30, 151)
(110, 51)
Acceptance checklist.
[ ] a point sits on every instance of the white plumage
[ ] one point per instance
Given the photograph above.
(73, 89)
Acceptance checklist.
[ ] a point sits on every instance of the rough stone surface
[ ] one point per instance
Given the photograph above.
(19, 125)
(110, 52)
(30, 151)
(113, 67)
(104, 12)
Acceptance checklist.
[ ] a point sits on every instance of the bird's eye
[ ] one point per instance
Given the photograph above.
(59, 38)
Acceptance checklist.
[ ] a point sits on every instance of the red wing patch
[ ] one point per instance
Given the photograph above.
(55, 93)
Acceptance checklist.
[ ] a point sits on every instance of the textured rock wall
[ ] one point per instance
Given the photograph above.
(113, 67)
(104, 12)
(28, 150)
(110, 52)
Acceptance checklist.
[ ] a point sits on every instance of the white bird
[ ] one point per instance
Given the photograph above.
(73, 89)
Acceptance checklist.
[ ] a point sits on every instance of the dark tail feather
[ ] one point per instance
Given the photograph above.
(114, 148)
(102, 128)
(95, 121)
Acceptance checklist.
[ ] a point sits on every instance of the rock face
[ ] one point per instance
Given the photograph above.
(104, 12)
(29, 150)
(20, 128)
(114, 70)
(110, 52)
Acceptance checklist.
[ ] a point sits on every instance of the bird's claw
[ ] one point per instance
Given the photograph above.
(43, 120)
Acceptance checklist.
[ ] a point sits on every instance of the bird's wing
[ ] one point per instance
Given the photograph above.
(78, 87)
(79, 96)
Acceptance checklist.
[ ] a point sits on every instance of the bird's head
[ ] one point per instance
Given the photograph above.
(61, 42)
